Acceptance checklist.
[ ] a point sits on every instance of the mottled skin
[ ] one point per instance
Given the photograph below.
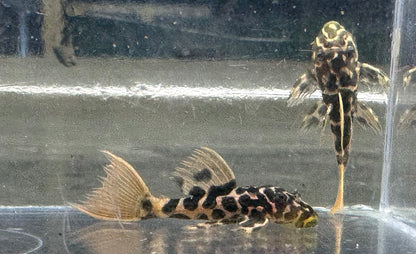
(211, 192)
(251, 207)
(337, 74)
(336, 66)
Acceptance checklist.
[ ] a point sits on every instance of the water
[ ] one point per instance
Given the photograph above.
(156, 126)
(226, 90)
(52, 135)
(64, 230)
(395, 49)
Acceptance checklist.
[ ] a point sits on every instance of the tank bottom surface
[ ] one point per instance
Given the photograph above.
(65, 230)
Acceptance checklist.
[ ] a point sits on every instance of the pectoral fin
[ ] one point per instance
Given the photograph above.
(252, 223)
(304, 86)
(371, 76)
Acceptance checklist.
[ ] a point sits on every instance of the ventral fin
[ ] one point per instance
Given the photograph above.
(317, 116)
(366, 117)
(305, 85)
(204, 168)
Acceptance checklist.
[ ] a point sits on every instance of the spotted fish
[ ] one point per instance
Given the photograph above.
(338, 73)
(212, 195)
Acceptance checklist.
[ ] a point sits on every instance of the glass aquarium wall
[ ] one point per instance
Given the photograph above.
(151, 81)
(400, 176)
(154, 80)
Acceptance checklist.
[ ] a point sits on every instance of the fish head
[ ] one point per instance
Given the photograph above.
(289, 208)
(332, 41)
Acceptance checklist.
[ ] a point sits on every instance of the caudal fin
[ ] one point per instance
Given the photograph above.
(123, 195)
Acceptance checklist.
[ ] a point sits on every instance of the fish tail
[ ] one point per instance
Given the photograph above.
(342, 130)
(122, 196)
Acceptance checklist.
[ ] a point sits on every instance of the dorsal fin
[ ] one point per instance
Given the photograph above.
(204, 168)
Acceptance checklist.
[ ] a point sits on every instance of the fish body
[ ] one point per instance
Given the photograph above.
(212, 194)
(338, 73)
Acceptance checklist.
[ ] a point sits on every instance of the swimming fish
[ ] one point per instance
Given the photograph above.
(338, 73)
(212, 195)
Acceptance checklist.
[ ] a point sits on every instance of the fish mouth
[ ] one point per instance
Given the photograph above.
(308, 222)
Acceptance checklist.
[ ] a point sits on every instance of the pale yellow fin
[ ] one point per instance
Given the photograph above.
(371, 77)
(123, 195)
(204, 168)
(317, 116)
(305, 85)
(366, 117)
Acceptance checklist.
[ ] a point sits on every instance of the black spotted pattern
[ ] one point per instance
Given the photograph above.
(170, 206)
(255, 214)
(245, 201)
(270, 194)
(179, 216)
(244, 210)
(250, 189)
(240, 190)
(197, 192)
(179, 180)
(147, 205)
(203, 176)
(202, 216)
(217, 214)
(262, 201)
(191, 203)
(215, 191)
(280, 202)
(229, 204)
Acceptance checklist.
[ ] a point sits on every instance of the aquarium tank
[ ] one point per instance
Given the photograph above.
(315, 97)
